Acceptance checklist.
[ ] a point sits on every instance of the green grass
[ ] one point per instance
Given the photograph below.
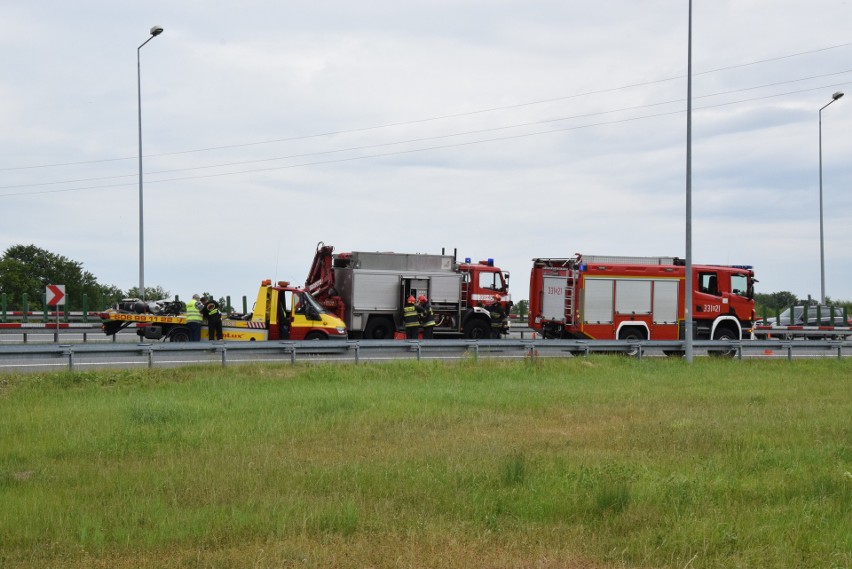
(599, 462)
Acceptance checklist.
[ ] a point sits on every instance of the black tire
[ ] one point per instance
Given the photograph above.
(477, 329)
(179, 335)
(727, 334)
(632, 334)
(379, 328)
(316, 336)
(551, 332)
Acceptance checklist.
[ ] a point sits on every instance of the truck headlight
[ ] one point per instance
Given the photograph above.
(341, 329)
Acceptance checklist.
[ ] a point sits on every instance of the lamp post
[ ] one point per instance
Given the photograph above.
(155, 31)
(688, 316)
(834, 97)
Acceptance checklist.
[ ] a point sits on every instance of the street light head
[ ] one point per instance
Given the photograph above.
(837, 95)
(157, 30)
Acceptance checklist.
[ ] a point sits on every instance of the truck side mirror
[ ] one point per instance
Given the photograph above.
(312, 314)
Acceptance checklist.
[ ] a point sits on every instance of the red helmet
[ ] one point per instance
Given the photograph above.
(498, 298)
(410, 300)
(421, 298)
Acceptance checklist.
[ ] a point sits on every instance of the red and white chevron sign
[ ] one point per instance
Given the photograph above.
(55, 295)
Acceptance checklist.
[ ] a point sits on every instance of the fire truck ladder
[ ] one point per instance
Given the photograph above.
(569, 296)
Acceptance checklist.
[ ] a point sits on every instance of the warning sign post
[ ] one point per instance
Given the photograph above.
(55, 296)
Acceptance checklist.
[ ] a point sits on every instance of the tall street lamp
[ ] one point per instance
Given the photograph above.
(155, 31)
(688, 315)
(821, 237)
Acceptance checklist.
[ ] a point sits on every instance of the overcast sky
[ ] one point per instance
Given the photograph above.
(505, 129)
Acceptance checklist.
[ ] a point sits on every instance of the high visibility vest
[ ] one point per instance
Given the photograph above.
(497, 315)
(192, 312)
(428, 315)
(409, 316)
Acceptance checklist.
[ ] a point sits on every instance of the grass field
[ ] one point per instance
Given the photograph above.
(578, 463)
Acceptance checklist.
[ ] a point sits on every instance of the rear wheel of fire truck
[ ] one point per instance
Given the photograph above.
(379, 328)
(477, 329)
(632, 334)
(179, 335)
(728, 335)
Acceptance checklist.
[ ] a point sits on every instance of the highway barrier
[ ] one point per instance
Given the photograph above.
(124, 355)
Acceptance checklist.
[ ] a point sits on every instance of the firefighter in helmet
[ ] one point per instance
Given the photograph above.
(427, 317)
(410, 319)
(210, 311)
(499, 319)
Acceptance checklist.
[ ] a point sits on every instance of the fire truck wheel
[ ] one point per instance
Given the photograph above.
(477, 329)
(379, 328)
(179, 335)
(632, 334)
(728, 335)
(315, 336)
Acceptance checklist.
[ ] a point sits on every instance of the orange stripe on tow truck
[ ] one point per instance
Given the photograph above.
(147, 318)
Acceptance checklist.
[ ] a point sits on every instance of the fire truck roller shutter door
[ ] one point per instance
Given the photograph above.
(445, 288)
(633, 296)
(665, 301)
(597, 304)
(553, 301)
(375, 291)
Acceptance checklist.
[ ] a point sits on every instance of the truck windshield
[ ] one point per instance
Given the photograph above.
(308, 300)
(493, 281)
(740, 285)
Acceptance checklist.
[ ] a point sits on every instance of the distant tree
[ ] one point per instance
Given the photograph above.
(775, 301)
(223, 303)
(27, 269)
(783, 299)
(521, 308)
(110, 295)
(151, 293)
(842, 303)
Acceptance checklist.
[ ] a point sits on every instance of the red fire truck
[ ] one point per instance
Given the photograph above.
(638, 298)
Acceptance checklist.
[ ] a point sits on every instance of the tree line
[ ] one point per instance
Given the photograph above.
(774, 302)
(27, 270)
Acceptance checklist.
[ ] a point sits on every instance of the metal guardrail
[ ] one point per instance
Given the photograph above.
(69, 334)
(77, 356)
(802, 332)
(62, 334)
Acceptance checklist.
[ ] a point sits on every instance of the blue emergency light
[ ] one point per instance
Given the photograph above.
(467, 259)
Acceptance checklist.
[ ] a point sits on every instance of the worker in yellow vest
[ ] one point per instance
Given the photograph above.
(410, 319)
(194, 318)
(427, 316)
